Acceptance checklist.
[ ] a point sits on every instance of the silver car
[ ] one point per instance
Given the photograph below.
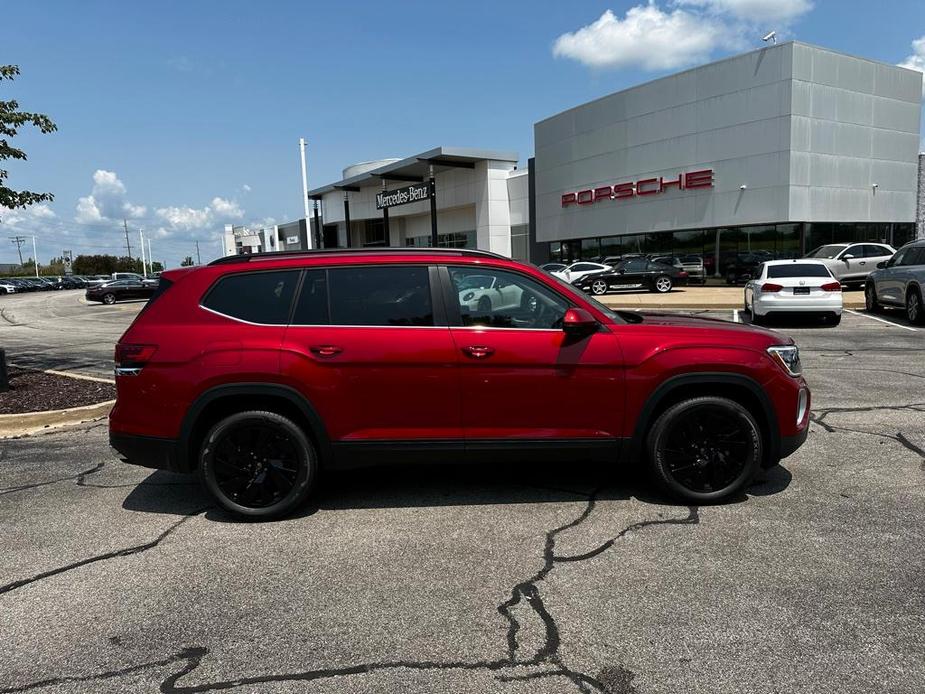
(851, 263)
(900, 282)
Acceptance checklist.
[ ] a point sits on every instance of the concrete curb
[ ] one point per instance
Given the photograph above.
(15, 425)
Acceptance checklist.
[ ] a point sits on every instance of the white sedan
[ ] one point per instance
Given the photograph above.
(793, 286)
(576, 271)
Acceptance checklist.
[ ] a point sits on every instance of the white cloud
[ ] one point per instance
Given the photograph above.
(107, 201)
(246, 188)
(226, 209)
(916, 61)
(25, 216)
(684, 33)
(754, 11)
(216, 213)
(647, 36)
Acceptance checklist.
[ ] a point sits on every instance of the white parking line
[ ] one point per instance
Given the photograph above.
(735, 315)
(881, 320)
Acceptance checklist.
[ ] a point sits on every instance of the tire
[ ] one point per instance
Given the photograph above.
(915, 312)
(484, 306)
(598, 287)
(239, 447)
(662, 284)
(833, 319)
(870, 298)
(756, 319)
(109, 299)
(698, 430)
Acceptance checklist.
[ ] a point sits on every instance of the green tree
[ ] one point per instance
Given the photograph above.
(186, 262)
(11, 120)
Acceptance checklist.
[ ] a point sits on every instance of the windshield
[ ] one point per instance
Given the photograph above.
(798, 270)
(829, 251)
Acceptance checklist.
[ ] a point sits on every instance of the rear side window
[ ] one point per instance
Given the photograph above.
(256, 297)
(798, 270)
(914, 255)
(393, 295)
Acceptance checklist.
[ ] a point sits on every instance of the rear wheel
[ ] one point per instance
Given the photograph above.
(833, 319)
(870, 298)
(705, 449)
(662, 284)
(914, 310)
(258, 464)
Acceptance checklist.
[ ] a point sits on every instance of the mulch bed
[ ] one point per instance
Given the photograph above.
(34, 391)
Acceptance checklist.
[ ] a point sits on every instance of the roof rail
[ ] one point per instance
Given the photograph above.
(408, 250)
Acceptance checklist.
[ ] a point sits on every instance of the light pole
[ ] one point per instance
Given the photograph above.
(35, 257)
(141, 239)
(308, 239)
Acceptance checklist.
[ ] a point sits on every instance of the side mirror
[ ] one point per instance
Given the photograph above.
(847, 256)
(578, 321)
(882, 264)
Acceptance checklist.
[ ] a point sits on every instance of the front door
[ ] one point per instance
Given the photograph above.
(523, 379)
(366, 348)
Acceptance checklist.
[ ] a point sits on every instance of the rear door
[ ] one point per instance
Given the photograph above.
(526, 383)
(369, 346)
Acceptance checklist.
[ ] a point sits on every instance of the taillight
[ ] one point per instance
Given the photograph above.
(771, 287)
(832, 287)
(134, 356)
(682, 274)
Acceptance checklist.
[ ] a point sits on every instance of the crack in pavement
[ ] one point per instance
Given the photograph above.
(124, 552)
(81, 480)
(526, 591)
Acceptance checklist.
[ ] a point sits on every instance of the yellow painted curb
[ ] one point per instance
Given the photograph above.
(33, 422)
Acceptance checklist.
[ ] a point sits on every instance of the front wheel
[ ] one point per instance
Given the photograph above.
(598, 287)
(662, 284)
(870, 299)
(258, 464)
(109, 299)
(705, 449)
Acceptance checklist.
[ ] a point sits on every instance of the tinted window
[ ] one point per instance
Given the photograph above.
(312, 306)
(582, 267)
(826, 251)
(398, 295)
(911, 256)
(797, 270)
(513, 301)
(635, 265)
(257, 297)
(872, 251)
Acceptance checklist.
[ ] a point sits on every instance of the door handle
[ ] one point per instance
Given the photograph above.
(863, 262)
(326, 350)
(478, 351)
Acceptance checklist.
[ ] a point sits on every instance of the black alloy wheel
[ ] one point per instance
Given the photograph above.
(705, 449)
(109, 299)
(258, 464)
(914, 310)
(870, 298)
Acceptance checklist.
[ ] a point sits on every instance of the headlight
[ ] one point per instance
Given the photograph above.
(468, 296)
(788, 356)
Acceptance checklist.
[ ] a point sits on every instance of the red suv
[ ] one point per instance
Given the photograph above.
(258, 371)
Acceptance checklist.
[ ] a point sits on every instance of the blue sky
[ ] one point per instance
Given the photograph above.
(182, 116)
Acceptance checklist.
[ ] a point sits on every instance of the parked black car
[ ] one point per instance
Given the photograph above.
(119, 290)
(637, 273)
(743, 266)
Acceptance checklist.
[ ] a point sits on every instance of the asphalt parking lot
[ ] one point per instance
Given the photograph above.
(477, 579)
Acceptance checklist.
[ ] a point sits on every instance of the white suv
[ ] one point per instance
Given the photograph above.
(851, 263)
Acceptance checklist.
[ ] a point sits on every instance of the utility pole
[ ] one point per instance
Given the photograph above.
(141, 239)
(128, 246)
(19, 241)
(35, 257)
(198, 259)
(305, 192)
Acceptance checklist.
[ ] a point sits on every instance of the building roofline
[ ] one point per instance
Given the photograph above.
(724, 60)
(461, 154)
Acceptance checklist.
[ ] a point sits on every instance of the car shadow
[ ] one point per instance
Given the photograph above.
(789, 321)
(417, 486)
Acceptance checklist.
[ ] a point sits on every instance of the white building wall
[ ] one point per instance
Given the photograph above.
(518, 194)
(492, 209)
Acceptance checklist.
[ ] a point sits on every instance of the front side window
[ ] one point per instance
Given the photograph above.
(385, 295)
(255, 297)
(829, 251)
(511, 301)
(635, 265)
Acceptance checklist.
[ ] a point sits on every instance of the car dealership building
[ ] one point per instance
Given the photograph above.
(775, 151)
